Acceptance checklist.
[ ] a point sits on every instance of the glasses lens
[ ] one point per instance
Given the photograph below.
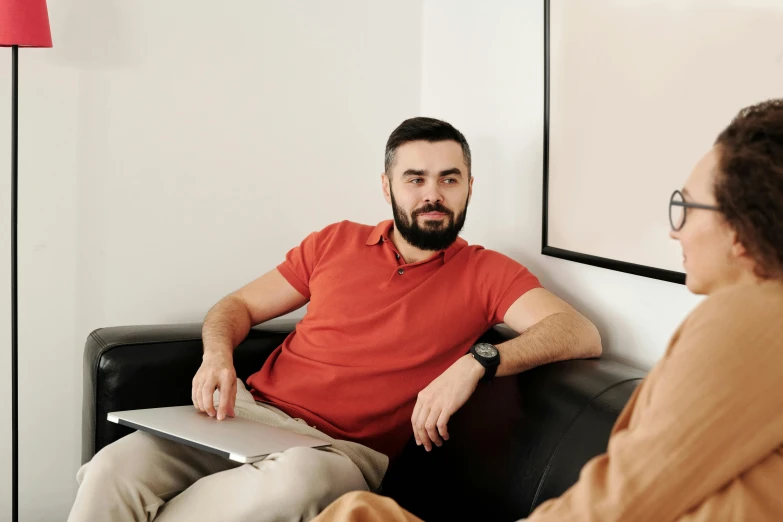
(676, 212)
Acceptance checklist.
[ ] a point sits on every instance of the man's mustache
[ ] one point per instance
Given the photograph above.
(434, 207)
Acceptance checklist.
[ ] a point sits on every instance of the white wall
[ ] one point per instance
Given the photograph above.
(168, 156)
(482, 70)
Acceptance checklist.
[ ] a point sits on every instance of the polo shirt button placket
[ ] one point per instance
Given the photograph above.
(401, 271)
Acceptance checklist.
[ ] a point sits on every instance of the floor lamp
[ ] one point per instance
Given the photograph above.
(23, 23)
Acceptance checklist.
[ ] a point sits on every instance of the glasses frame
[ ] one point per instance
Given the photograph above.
(686, 205)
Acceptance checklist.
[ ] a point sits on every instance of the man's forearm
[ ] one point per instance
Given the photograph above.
(225, 326)
(559, 337)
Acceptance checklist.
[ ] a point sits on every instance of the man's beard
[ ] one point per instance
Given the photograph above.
(435, 234)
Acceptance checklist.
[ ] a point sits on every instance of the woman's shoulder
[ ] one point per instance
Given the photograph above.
(744, 301)
(747, 315)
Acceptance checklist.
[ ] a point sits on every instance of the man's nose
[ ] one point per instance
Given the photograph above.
(432, 193)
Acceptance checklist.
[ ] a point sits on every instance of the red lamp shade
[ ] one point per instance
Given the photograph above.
(24, 23)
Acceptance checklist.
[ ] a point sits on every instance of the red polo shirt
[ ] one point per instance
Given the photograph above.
(379, 330)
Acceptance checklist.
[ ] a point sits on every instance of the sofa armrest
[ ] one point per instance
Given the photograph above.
(517, 442)
(131, 367)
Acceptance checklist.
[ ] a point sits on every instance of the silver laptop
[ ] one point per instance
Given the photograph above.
(236, 438)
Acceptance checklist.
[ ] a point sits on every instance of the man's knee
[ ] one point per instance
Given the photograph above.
(323, 470)
(124, 458)
(311, 479)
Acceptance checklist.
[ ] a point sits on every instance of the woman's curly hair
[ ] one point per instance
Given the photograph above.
(749, 184)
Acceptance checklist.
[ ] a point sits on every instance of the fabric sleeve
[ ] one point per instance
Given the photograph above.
(363, 506)
(754, 495)
(713, 411)
(500, 281)
(301, 260)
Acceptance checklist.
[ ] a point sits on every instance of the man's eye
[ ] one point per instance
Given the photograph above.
(416, 180)
(450, 180)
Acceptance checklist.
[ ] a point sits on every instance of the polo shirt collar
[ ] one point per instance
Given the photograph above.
(381, 232)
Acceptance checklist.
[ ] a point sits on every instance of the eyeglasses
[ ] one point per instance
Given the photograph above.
(678, 209)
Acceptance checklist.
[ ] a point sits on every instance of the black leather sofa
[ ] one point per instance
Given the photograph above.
(517, 442)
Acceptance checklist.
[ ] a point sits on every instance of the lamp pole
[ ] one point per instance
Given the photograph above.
(14, 294)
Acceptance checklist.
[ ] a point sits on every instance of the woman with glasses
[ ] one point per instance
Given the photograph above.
(701, 439)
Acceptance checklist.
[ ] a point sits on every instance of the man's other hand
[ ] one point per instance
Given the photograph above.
(442, 398)
(216, 372)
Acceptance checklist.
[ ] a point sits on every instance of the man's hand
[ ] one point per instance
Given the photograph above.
(442, 398)
(216, 372)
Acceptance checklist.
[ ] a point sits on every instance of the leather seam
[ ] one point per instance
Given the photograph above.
(565, 434)
(97, 336)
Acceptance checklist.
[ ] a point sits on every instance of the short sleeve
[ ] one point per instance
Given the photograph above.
(500, 281)
(301, 260)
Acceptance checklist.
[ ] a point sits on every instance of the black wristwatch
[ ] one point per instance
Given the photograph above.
(488, 356)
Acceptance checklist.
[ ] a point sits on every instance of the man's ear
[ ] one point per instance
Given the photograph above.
(470, 188)
(386, 189)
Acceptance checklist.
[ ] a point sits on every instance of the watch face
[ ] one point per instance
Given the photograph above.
(486, 350)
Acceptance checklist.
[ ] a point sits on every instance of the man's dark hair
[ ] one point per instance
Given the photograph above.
(749, 183)
(423, 129)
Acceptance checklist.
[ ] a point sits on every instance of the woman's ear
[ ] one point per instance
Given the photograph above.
(741, 255)
(738, 250)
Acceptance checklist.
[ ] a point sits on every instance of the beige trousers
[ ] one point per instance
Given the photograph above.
(144, 477)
